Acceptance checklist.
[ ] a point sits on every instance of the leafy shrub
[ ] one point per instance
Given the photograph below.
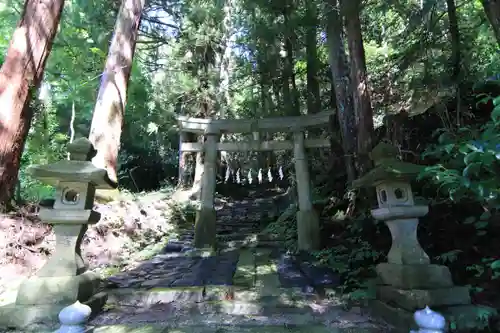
(285, 227)
(354, 259)
(183, 214)
(468, 171)
(470, 161)
(44, 145)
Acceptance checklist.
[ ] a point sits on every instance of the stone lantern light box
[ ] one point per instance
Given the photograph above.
(391, 177)
(75, 182)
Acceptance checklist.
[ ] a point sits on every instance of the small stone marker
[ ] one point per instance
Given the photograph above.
(73, 318)
(429, 321)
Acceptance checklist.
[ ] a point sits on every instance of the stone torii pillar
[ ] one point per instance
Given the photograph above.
(307, 219)
(205, 224)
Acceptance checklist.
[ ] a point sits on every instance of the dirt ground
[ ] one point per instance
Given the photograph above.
(126, 226)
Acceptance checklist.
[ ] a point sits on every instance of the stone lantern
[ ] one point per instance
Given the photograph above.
(408, 281)
(391, 178)
(64, 279)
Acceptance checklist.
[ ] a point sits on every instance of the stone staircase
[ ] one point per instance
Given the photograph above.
(257, 300)
(249, 285)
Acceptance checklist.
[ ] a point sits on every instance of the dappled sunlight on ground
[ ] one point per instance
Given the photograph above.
(127, 229)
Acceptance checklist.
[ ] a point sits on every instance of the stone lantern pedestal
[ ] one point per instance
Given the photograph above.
(64, 279)
(408, 281)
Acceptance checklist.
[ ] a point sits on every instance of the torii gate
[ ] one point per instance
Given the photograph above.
(307, 219)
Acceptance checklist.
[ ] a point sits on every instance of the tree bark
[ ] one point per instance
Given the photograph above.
(456, 57)
(266, 106)
(20, 76)
(107, 119)
(313, 93)
(343, 88)
(287, 95)
(224, 64)
(492, 10)
(361, 94)
(206, 111)
(183, 180)
(225, 59)
(288, 72)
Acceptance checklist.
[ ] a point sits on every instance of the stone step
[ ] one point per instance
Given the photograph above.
(225, 230)
(264, 312)
(235, 236)
(250, 232)
(242, 229)
(242, 238)
(186, 295)
(219, 324)
(250, 238)
(270, 306)
(148, 297)
(284, 295)
(158, 328)
(236, 225)
(242, 244)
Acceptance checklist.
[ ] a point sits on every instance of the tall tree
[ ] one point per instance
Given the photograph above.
(182, 181)
(343, 89)
(361, 93)
(492, 10)
(20, 76)
(202, 47)
(107, 120)
(456, 56)
(224, 58)
(224, 63)
(313, 93)
(292, 99)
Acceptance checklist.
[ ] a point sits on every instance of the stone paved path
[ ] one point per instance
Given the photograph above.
(248, 284)
(179, 265)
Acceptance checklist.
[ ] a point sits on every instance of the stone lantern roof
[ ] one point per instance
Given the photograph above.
(388, 167)
(79, 169)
